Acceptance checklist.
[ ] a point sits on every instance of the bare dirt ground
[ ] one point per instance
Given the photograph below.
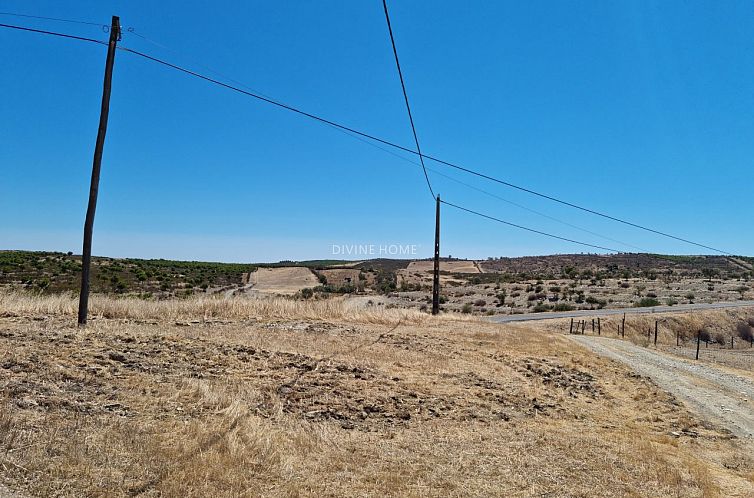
(284, 281)
(226, 397)
(717, 394)
(448, 266)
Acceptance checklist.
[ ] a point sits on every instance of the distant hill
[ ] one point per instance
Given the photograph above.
(56, 272)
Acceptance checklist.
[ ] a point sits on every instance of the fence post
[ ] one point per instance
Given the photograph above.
(592, 326)
(570, 331)
(655, 332)
(623, 329)
(698, 341)
(599, 327)
(583, 326)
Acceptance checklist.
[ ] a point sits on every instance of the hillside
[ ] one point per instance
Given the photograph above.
(491, 286)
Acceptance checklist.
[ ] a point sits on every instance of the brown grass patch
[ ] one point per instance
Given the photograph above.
(300, 407)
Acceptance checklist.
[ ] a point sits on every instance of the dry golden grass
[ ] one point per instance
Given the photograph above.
(302, 403)
(211, 307)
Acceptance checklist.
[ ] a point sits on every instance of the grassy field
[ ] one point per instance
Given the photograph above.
(277, 397)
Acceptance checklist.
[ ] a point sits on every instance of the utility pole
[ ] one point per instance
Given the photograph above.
(86, 259)
(436, 275)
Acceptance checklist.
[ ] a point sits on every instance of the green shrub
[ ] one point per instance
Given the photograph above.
(563, 307)
(647, 302)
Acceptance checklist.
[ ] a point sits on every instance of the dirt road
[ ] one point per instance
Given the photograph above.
(717, 395)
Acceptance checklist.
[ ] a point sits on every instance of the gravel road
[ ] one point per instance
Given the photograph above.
(717, 395)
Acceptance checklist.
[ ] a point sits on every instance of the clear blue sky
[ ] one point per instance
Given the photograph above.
(640, 109)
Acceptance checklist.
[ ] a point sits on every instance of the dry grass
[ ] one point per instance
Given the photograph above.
(289, 405)
(13, 303)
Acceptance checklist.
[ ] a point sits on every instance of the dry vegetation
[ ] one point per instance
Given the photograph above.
(677, 332)
(207, 397)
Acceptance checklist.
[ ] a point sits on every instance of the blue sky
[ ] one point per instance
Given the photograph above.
(639, 109)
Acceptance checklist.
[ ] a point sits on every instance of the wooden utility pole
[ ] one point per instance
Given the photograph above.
(436, 275)
(86, 259)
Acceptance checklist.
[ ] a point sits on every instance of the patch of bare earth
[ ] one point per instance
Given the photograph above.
(285, 281)
(244, 407)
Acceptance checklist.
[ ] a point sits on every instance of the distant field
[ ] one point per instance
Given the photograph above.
(445, 266)
(285, 281)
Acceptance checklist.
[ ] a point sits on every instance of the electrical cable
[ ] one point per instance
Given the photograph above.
(376, 139)
(405, 97)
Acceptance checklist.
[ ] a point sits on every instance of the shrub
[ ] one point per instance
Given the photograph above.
(647, 302)
(466, 308)
(720, 338)
(480, 302)
(705, 335)
(690, 296)
(541, 307)
(307, 293)
(744, 331)
(671, 302)
(563, 307)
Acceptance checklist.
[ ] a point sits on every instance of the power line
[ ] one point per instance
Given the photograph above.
(521, 206)
(539, 213)
(380, 140)
(576, 206)
(58, 19)
(53, 33)
(403, 158)
(405, 97)
(406, 149)
(477, 213)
